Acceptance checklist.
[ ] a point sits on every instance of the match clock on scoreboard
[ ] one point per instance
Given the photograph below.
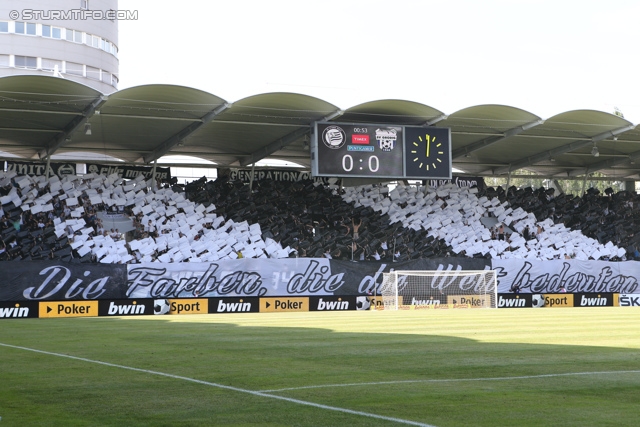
(381, 151)
(427, 152)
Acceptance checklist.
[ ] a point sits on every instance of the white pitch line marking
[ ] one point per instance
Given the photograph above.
(226, 387)
(453, 380)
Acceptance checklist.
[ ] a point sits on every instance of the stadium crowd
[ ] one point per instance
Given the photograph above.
(60, 218)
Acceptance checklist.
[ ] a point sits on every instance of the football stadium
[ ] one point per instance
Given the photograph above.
(397, 267)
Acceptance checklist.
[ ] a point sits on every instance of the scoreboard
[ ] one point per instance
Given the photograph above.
(380, 151)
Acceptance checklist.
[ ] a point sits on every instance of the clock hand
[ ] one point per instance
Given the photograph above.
(428, 144)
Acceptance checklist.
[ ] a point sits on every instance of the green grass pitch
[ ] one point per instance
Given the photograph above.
(506, 367)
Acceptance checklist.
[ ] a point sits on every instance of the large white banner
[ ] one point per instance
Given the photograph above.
(572, 276)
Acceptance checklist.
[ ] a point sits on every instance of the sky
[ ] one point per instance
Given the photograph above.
(542, 56)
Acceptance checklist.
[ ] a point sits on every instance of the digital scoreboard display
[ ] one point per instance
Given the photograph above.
(380, 151)
(359, 150)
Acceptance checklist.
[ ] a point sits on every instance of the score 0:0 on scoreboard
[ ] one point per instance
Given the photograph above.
(380, 151)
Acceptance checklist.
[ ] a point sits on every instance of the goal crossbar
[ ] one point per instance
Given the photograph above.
(418, 289)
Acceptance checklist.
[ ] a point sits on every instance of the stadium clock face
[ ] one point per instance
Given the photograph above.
(345, 150)
(427, 152)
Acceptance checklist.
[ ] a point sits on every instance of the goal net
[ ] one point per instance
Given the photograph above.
(410, 290)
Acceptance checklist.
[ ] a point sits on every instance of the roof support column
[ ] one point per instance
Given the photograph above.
(557, 186)
(466, 150)
(527, 161)
(435, 120)
(167, 145)
(606, 164)
(253, 171)
(153, 176)
(72, 126)
(46, 173)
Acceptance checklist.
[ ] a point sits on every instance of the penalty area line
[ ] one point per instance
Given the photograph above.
(225, 387)
(454, 380)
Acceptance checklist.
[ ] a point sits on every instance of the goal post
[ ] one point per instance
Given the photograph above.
(421, 289)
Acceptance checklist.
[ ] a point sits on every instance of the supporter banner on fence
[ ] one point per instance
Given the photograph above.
(460, 181)
(129, 172)
(283, 277)
(570, 276)
(292, 277)
(51, 281)
(62, 169)
(244, 175)
(38, 169)
(366, 278)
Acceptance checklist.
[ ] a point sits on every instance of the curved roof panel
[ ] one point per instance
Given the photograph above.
(270, 124)
(34, 110)
(161, 101)
(392, 111)
(479, 130)
(544, 146)
(41, 115)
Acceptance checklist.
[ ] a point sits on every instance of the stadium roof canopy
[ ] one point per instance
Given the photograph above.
(42, 116)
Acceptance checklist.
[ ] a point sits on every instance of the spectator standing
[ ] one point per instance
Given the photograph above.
(356, 227)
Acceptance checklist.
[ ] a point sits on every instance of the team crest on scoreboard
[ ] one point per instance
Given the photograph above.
(334, 137)
(386, 138)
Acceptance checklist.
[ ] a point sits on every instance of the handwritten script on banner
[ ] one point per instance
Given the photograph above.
(571, 276)
(47, 280)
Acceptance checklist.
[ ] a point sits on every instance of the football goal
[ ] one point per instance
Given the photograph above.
(420, 289)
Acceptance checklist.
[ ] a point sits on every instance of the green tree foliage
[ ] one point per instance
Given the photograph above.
(568, 186)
